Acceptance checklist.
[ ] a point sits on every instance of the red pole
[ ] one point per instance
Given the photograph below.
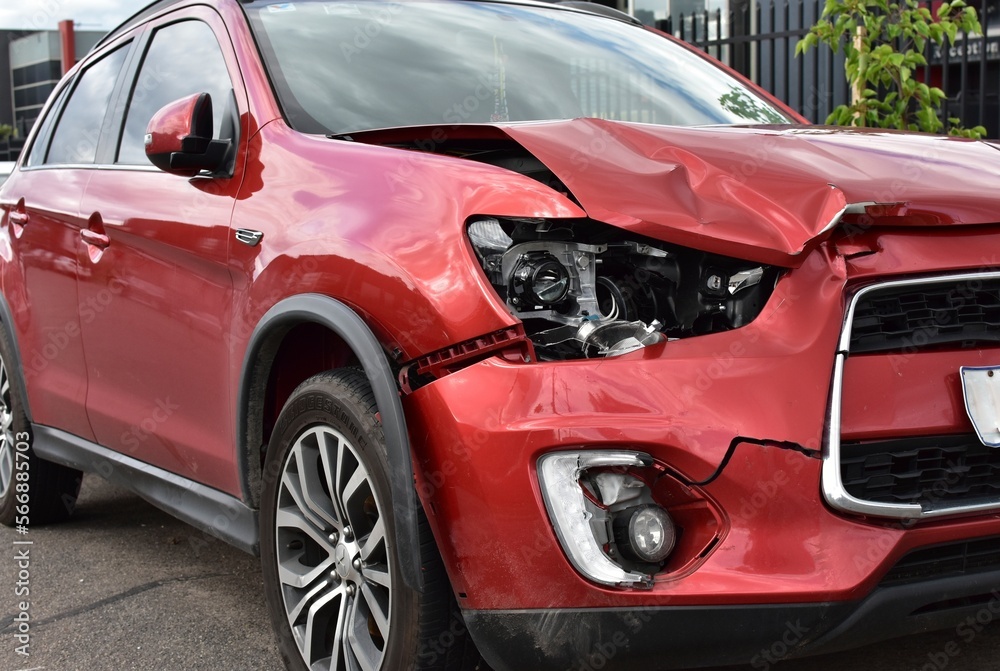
(68, 45)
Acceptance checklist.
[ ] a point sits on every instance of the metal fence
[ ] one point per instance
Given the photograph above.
(760, 43)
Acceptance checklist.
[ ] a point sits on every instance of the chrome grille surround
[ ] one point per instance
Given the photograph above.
(832, 483)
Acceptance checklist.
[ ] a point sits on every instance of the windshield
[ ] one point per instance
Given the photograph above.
(341, 67)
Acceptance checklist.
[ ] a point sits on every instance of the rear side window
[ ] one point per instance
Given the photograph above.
(183, 59)
(79, 128)
(36, 156)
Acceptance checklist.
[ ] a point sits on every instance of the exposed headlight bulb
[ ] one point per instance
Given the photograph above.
(539, 279)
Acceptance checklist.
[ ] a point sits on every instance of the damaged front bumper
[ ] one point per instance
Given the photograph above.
(738, 422)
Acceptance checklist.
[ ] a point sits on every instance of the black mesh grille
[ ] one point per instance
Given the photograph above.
(946, 560)
(934, 472)
(963, 313)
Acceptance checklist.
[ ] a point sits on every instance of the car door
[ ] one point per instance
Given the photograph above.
(157, 264)
(45, 224)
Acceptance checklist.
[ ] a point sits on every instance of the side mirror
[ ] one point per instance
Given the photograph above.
(179, 138)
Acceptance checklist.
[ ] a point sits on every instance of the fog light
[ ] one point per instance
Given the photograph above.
(645, 533)
(559, 476)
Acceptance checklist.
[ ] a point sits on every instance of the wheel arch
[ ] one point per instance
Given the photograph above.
(342, 321)
(7, 324)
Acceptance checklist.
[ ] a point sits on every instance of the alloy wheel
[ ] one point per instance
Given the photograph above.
(6, 432)
(333, 565)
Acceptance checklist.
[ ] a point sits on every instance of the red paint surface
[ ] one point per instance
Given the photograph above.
(382, 229)
(908, 393)
(170, 126)
(39, 284)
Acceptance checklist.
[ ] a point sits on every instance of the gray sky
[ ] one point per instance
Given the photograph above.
(46, 14)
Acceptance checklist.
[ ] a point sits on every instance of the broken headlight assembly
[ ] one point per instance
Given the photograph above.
(586, 289)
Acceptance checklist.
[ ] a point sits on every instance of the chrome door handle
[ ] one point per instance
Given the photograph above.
(96, 239)
(18, 217)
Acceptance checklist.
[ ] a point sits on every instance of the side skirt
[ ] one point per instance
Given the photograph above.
(220, 515)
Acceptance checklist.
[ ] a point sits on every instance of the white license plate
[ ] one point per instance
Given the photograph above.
(981, 389)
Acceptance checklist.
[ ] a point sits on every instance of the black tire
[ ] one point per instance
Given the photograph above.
(328, 439)
(32, 491)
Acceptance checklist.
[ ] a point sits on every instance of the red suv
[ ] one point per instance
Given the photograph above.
(507, 324)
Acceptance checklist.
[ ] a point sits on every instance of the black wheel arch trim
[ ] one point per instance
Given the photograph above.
(7, 323)
(346, 323)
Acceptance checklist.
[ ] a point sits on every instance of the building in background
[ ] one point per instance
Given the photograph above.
(37, 63)
(31, 64)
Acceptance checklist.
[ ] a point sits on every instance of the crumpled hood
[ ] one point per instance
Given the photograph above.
(763, 193)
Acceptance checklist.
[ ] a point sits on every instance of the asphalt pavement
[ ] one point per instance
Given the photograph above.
(125, 586)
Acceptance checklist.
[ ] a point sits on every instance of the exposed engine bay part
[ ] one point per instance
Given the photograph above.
(611, 338)
(587, 289)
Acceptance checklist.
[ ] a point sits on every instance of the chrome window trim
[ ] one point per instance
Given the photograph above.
(832, 483)
(92, 166)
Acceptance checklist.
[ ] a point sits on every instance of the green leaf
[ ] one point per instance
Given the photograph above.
(952, 29)
(883, 60)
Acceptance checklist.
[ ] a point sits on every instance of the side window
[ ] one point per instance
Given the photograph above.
(79, 127)
(36, 154)
(183, 59)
